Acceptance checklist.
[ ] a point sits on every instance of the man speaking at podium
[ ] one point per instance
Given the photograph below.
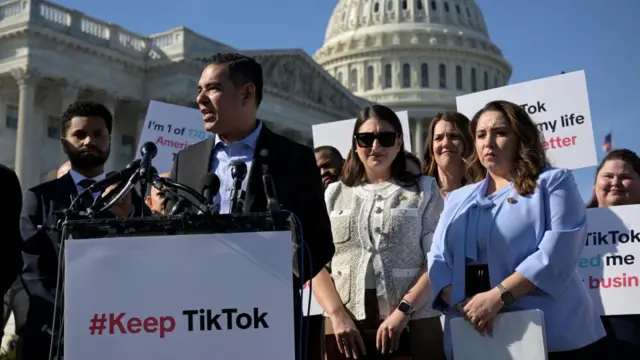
(229, 94)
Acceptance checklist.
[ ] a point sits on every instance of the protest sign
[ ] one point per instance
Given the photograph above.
(559, 105)
(172, 128)
(608, 263)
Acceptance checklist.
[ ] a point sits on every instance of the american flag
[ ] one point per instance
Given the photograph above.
(608, 143)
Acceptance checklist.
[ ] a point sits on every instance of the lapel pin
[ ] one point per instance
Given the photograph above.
(264, 152)
(511, 200)
(402, 198)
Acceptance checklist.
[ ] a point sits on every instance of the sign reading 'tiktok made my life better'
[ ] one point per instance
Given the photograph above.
(559, 105)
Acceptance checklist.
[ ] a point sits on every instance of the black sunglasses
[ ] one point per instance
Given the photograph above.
(385, 138)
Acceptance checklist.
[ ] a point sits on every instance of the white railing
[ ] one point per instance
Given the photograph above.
(46, 14)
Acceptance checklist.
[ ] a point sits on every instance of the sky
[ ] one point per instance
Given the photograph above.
(539, 38)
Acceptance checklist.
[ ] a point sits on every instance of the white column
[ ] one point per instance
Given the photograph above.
(418, 138)
(68, 94)
(27, 162)
(113, 162)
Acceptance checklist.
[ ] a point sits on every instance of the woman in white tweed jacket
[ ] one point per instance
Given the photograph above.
(382, 219)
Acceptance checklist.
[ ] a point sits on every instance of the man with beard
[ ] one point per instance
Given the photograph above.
(330, 163)
(86, 130)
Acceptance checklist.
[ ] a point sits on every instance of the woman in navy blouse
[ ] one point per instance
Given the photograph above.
(512, 241)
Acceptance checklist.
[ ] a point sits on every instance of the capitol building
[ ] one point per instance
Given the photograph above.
(414, 55)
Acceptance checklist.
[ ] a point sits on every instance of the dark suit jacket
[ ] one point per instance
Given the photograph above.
(297, 182)
(40, 256)
(10, 260)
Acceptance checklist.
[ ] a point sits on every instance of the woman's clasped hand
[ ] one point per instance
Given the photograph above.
(481, 310)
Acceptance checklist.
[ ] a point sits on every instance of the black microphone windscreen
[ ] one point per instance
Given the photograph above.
(149, 148)
(210, 181)
(238, 169)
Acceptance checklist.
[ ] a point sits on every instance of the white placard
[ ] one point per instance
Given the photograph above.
(338, 133)
(560, 107)
(158, 297)
(609, 264)
(516, 335)
(172, 128)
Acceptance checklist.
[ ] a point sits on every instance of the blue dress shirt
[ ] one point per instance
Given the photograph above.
(540, 235)
(221, 157)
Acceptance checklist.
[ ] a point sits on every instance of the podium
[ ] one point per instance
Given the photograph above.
(198, 287)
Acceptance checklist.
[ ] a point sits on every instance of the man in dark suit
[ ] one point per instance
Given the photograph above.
(10, 260)
(229, 93)
(86, 130)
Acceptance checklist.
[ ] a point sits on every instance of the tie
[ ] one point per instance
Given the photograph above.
(87, 198)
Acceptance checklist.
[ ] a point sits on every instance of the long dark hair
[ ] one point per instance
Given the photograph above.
(353, 173)
(530, 157)
(474, 172)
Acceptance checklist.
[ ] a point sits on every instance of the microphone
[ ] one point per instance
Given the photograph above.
(115, 177)
(210, 187)
(238, 173)
(148, 151)
(170, 200)
(174, 204)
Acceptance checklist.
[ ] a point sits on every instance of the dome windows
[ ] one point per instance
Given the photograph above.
(387, 76)
(404, 5)
(353, 80)
(442, 74)
(446, 6)
(376, 7)
(406, 75)
(370, 77)
(486, 80)
(424, 75)
(458, 9)
(474, 82)
(434, 6)
(390, 5)
(459, 77)
(419, 4)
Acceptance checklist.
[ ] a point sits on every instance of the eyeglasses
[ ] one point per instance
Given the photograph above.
(385, 138)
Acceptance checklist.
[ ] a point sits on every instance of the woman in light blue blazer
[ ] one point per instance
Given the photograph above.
(512, 241)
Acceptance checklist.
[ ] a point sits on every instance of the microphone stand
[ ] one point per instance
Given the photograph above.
(129, 185)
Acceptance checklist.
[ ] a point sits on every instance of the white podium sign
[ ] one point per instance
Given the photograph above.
(205, 296)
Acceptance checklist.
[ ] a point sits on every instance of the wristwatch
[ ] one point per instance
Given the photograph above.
(406, 308)
(505, 295)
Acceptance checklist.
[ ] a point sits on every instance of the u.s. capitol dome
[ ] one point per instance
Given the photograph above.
(414, 55)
